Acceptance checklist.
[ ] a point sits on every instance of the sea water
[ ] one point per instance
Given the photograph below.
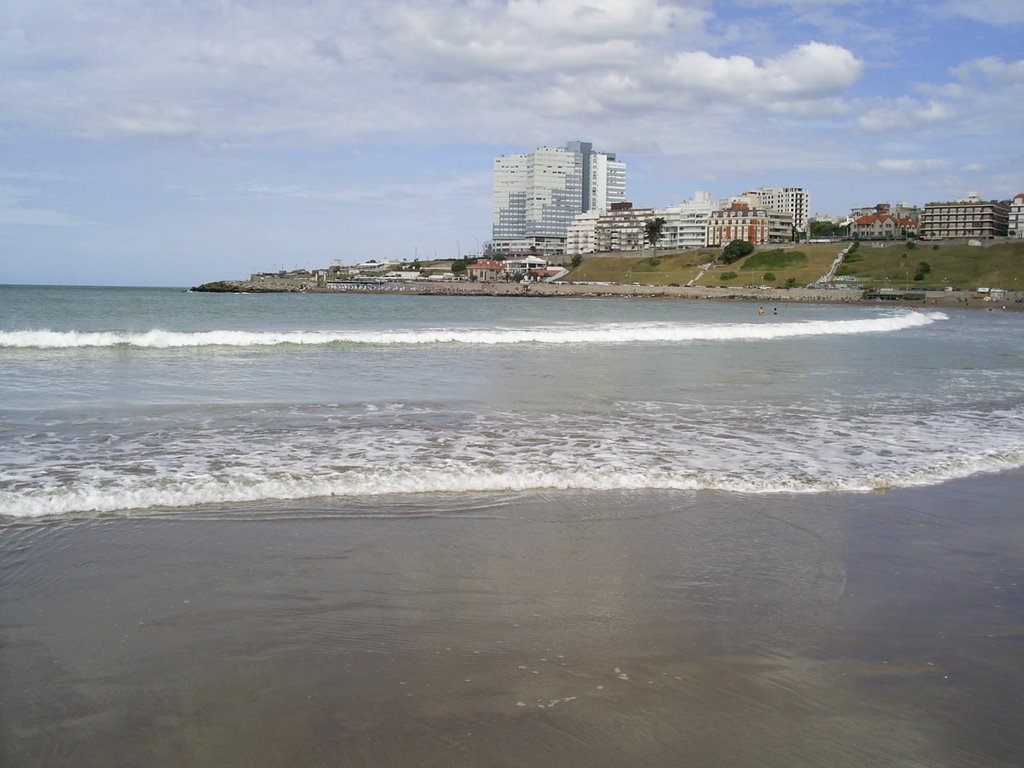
(116, 400)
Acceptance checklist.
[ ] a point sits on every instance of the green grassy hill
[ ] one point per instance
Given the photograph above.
(627, 267)
(954, 264)
(874, 265)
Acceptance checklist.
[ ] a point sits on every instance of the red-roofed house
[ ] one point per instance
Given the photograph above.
(486, 271)
(882, 226)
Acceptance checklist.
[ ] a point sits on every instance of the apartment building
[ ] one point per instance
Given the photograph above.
(971, 217)
(1015, 222)
(686, 224)
(622, 228)
(755, 225)
(796, 201)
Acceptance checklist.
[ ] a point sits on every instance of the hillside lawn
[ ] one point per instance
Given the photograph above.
(874, 265)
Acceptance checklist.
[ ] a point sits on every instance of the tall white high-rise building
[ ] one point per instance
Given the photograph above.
(537, 194)
(796, 201)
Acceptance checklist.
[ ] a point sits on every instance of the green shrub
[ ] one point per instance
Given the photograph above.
(736, 250)
(729, 275)
(768, 277)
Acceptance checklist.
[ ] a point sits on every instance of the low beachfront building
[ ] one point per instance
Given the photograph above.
(486, 271)
(374, 267)
(521, 266)
(549, 246)
(1015, 222)
(971, 217)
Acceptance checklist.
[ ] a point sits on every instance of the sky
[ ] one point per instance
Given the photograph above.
(175, 142)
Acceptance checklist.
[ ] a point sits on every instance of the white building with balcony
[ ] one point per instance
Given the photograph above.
(1015, 223)
(686, 224)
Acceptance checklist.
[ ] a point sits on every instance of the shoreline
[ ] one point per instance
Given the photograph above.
(949, 300)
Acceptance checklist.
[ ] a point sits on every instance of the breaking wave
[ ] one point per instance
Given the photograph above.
(655, 447)
(192, 492)
(592, 334)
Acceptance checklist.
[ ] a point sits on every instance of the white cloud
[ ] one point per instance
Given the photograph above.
(994, 12)
(905, 114)
(807, 72)
(909, 166)
(991, 70)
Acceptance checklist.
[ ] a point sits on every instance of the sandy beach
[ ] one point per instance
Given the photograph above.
(586, 629)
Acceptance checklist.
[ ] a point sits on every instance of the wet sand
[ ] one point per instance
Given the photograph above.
(562, 629)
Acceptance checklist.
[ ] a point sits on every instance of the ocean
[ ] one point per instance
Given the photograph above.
(116, 400)
(395, 530)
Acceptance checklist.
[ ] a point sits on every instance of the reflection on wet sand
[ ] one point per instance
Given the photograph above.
(543, 629)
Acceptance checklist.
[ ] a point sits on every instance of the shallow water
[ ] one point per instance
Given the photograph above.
(122, 399)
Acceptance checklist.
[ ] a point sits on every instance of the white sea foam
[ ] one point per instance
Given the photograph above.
(589, 334)
(112, 491)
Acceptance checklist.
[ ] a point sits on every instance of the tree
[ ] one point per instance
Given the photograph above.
(576, 261)
(653, 229)
(826, 229)
(791, 282)
(458, 267)
(769, 277)
(736, 250)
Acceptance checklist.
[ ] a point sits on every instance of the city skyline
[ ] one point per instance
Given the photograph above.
(170, 145)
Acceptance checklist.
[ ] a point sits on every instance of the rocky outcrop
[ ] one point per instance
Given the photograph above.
(221, 286)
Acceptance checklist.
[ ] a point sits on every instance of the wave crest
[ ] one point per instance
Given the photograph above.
(594, 334)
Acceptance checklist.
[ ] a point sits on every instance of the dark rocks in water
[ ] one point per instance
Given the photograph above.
(220, 286)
